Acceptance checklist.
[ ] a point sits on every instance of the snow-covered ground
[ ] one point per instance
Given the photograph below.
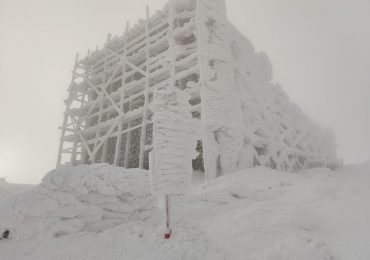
(10, 189)
(100, 212)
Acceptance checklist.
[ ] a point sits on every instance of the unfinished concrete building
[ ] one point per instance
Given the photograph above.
(245, 119)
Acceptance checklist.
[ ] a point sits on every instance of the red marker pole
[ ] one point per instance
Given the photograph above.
(167, 235)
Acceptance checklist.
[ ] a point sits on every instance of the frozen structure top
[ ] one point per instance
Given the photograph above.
(245, 119)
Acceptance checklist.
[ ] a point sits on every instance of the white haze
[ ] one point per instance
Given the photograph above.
(319, 50)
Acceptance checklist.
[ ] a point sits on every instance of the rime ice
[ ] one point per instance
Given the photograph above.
(246, 120)
(175, 141)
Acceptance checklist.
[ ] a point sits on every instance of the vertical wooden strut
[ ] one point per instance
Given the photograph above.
(128, 142)
(65, 119)
(171, 42)
(77, 143)
(128, 134)
(146, 93)
(85, 96)
(105, 86)
(122, 96)
(101, 107)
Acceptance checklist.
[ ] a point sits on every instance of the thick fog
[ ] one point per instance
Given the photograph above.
(319, 49)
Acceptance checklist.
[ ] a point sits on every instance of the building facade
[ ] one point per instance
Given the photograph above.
(245, 119)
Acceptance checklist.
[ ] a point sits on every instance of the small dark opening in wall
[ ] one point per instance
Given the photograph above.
(196, 114)
(255, 162)
(198, 164)
(186, 40)
(219, 167)
(273, 164)
(146, 160)
(260, 150)
(194, 101)
(210, 23)
(301, 159)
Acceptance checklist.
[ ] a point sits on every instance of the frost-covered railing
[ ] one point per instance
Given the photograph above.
(246, 120)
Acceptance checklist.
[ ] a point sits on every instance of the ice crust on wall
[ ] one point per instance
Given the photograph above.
(247, 119)
(76, 199)
(221, 114)
(176, 134)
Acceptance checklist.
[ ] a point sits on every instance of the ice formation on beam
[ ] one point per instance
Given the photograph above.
(246, 120)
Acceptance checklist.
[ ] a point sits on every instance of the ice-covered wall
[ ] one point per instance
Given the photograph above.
(221, 110)
(176, 134)
(276, 133)
(247, 119)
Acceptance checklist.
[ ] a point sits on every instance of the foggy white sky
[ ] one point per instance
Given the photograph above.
(319, 49)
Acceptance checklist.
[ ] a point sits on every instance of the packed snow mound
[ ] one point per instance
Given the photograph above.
(252, 214)
(74, 199)
(9, 189)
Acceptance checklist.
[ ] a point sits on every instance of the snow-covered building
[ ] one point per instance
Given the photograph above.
(245, 119)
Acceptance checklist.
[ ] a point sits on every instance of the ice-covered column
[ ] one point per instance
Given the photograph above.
(175, 135)
(221, 106)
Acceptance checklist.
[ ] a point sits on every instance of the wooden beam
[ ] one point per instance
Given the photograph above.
(146, 94)
(122, 93)
(65, 119)
(101, 106)
(82, 138)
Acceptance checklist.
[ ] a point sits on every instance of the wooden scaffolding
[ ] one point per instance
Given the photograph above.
(107, 117)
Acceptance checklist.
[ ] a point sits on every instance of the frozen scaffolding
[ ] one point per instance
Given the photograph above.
(245, 119)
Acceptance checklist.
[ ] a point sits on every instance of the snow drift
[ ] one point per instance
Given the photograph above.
(74, 199)
(101, 212)
(10, 189)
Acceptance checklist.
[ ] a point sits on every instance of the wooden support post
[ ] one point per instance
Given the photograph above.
(101, 107)
(78, 126)
(84, 97)
(74, 149)
(122, 93)
(65, 119)
(128, 143)
(81, 137)
(172, 43)
(146, 93)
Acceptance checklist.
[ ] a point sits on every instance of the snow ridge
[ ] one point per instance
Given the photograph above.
(75, 199)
